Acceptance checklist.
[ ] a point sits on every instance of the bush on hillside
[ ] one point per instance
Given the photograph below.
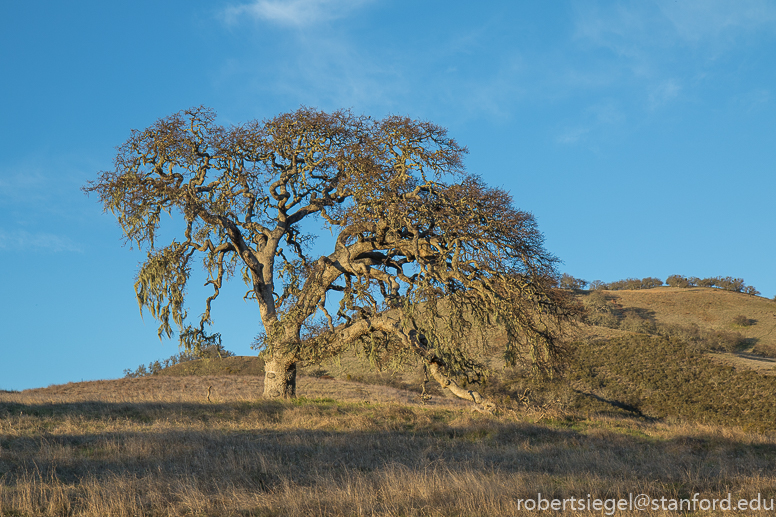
(742, 321)
(725, 341)
(599, 310)
(765, 350)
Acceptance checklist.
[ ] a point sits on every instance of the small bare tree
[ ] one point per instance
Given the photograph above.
(426, 258)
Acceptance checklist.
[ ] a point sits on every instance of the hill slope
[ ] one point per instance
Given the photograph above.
(702, 310)
(706, 307)
(156, 446)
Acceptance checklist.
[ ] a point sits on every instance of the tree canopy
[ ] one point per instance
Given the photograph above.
(425, 257)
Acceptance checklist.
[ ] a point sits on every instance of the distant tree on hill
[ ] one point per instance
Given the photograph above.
(677, 281)
(651, 282)
(425, 257)
(706, 282)
(569, 282)
(628, 284)
(726, 283)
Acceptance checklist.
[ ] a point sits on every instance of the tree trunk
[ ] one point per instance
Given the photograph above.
(279, 378)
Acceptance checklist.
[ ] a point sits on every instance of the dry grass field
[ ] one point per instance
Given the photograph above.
(635, 414)
(155, 446)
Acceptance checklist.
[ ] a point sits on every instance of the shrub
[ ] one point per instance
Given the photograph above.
(597, 301)
(599, 310)
(602, 313)
(766, 350)
(725, 340)
(742, 321)
(636, 322)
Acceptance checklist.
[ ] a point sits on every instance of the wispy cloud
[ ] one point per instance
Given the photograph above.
(21, 240)
(292, 13)
(632, 29)
(663, 93)
(572, 135)
(649, 39)
(752, 100)
(596, 119)
(696, 20)
(27, 186)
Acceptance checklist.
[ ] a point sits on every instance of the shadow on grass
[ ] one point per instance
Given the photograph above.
(633, 410)
(239, 445)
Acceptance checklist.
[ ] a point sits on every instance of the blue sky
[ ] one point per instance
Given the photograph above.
(642, 136)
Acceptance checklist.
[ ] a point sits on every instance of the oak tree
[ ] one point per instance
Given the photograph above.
(425, 261)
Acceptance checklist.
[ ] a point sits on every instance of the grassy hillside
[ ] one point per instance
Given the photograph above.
(706, 307)
(651, 403)
(155, 446)
(652, 378)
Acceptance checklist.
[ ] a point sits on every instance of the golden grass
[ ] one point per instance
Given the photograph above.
(153, 446)
(223, 388)
(706, 307)
(157, 446)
